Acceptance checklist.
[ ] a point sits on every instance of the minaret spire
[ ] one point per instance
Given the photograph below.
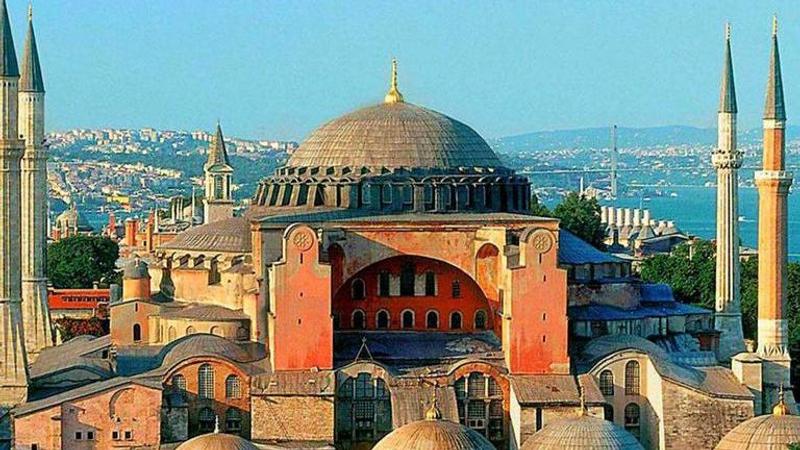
(773, 183)
(727, 95)
(35, 311)
(394, 95)
(727, 160)
(773, 105)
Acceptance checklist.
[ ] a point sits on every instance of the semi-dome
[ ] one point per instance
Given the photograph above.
(582, 433)
(394, 134)
(768, 432)
(217, 441)
(434, 433)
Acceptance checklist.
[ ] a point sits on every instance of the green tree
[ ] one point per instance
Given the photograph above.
(538, 208)
(581, 216)
(79, 261)
(689, 270)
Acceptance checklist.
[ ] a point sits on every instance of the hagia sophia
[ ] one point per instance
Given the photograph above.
(387, 288)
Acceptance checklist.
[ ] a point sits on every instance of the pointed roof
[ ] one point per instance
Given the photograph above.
(773, 106)
(8, 58)
(727, 94)
(31, 77)
(217, 154)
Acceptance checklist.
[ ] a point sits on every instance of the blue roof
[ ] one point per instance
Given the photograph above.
(574, 250)
(606, 312)
(656, 292)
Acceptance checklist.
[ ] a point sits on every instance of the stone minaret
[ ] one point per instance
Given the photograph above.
(13, 359)
(218, 204)
(773, 188)
(38, 329)
(727, 160)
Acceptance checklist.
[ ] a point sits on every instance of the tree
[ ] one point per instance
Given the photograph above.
(80, 261)
(689, 270)
(70, 327)
(538, 208)
(581, 216)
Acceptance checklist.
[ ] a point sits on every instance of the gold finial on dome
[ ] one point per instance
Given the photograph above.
(780, 409)
(433, 412)
(775, 25)
(728, 31)
(30, 10)
(394, 95)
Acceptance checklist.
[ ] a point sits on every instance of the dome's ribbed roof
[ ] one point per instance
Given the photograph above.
(228, 235)
(434, 435)
(769, 432)
(217, 441)
(394, 135)
(582, 433)
(195, 345)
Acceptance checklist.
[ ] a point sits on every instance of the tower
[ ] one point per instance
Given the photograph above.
(35, 313)
(13, 370)
(773, 184)
(727, 160)
(614, 158)
(217, 203)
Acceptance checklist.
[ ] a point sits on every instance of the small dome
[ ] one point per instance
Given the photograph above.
(202, 344)
(582, 433)
(767, 432)
(217, 441)
(433, 433)
(73, 219)
(228, 235)
(136, 269)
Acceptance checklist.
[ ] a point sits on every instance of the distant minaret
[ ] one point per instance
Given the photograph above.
(614, 159)
(773, 188)
(727, 160)
(35, 312)
(13, 359)
(218, 171)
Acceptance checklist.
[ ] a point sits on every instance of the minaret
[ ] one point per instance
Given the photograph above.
(218, 204)
(773, 188)
(13, 369)
(38, 329)
(727, 160)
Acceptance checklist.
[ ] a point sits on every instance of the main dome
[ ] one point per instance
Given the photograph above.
(394, 135)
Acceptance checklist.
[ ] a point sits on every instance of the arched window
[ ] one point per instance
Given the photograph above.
(363, 410)
(217, 331)
(172, 334)
(358, 290)
(408, 319)
(206, 419)
(430, 283)
(407, 280)
(408, 195)
(364, 194)
(205, 381)
(632, 414)
(480, 405)
(432, 320)
(357, 321)
(455, 289)
(232, 387)
(179, 382)
(383, 284)
(480, 320)
(242, 334)
(233, 420)
(382, 319)
(137, 332)
(190, 330)
(455, 320)
(386, 194)
(607, 382)
(632, 378)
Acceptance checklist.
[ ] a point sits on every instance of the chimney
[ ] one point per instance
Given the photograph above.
(610, 216)
(637, 217)
(131, 228)
(627, 217)
(620, 217)
(646, 219)
(604, 214)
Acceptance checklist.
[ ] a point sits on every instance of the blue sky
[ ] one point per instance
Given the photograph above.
(279, 69)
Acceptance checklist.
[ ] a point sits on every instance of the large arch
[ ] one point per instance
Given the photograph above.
(420, 298)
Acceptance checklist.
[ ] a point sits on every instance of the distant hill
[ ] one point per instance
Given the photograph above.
(672, 135)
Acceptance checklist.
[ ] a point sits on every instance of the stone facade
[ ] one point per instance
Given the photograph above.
(293, 417)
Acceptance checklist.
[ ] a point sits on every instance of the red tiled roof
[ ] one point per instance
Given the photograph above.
(76, 298)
